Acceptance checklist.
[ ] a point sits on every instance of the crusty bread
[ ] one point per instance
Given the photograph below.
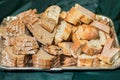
(44, 60)
(53, 12)
(53, 49)
(63, 15)
(21, 46)
(69, 61)
(76, 48)
(12, 60)
(63, 31)
(86, 32)
(15, 28)
(88, 15)
(101, 26)
(48, 23)
(92, 47)
(103, 37)
(73, 16)
(66, 46)
(41, 34)
(86, 20)
(109, 54)
(85, 60)
(103, 64)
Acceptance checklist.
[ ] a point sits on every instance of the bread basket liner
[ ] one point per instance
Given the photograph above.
(112, 67)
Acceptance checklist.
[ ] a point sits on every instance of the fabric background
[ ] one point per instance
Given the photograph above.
(110, 8)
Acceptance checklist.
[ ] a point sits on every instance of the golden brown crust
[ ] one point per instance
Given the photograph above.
(85, 32)
(73, 16)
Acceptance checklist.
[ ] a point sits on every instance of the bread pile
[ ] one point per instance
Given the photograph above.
(56, 38)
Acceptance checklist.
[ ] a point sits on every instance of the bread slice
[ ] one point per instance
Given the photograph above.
(15, 28)
(63, 15)
(88, 15)
(73, 16)
(41, 34)
(92, 47)
(8, 58)
(11, 59)
(85, 32)
(109, 54)
(53, 12)
(43, 60)
(69, 61)
(50, 17)
(63, 31)
(85, 60)
(101, 26)
(66, 46)
(103, 37)
(48, 23)
(53, 49)
(76, 48)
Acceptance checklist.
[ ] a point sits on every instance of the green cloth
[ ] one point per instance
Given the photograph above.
(110, 8)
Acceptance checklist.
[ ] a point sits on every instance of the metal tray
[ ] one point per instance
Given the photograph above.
(114, 66)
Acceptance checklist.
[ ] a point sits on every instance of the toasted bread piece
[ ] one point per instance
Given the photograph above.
(63, 32)
(69, 61)
(85, 60)
(86, 20)
(63, 15)
(73, 16)
(88, 15)
(48, 23)
(103, 37)
(92, 47)
(76, 48)
(101, 26)
(41, 34)
(53, 49)
(11, 59)
(66, 46)
(53, 12)
(85, 32)
(109, 54)
(43, 60)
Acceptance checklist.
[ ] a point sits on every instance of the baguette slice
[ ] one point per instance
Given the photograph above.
(85, 32)
(101, 26)
(43, 60)
(69, 61)
(48, 23)
(53, 12)
(109, 55)
(53, 49)
(63, 31)
(85, 60)
(41, 34)
(66, 46)
(73, 16)
(92, 47)
(103, 38)
(76, 48)
(63, 15)
(88, 15)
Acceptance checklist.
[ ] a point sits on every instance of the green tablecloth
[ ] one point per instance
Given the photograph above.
(110, 8)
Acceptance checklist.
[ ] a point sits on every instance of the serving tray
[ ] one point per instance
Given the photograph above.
(114, 66)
